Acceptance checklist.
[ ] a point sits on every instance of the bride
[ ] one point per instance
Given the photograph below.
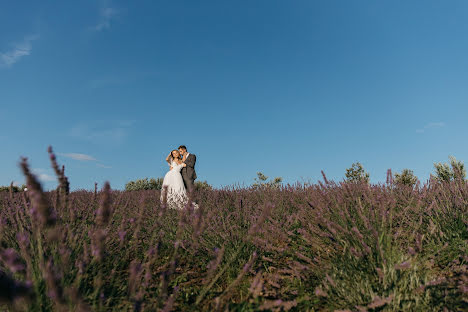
(173, 187)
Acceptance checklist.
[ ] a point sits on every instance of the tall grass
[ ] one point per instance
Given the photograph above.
(324, 247)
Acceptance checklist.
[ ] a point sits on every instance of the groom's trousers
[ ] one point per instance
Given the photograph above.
(189, 184)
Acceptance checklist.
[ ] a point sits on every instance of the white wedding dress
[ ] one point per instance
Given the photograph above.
(173, 187)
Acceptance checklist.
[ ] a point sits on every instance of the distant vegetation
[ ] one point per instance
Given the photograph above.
(202, 185)
(444, 172)
(455, 170)
(261, 181)
(156, 184)
(144, 184)
(406, 177)
(12, 188)
(357, 174)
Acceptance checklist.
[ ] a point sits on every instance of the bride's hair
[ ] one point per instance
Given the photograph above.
(172, 154)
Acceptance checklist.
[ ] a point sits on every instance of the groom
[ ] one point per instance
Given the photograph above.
(188, 172)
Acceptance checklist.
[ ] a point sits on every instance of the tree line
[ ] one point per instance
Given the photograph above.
(443, 172)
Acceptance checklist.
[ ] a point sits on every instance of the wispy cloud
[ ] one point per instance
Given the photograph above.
(42, 175)
(78, 156)
(84, 157)
(17, 51)
(107, 14)
(430, 126)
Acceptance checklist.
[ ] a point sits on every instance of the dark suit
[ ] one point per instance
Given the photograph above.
(188, 173)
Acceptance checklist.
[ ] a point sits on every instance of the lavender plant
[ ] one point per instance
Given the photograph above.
(348, 246)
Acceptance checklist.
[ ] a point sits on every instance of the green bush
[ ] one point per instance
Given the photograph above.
(202, 185)
(14, 188)
(144, 184)
(448, 172)
(357, 173)
(262, 181)
(406, 177)
(156, 184)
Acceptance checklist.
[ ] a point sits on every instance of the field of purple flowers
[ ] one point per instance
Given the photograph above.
(323, 247)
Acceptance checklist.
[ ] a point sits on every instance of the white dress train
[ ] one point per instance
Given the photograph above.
(173, 186)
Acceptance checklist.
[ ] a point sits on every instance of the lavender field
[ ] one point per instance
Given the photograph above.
(323, 247)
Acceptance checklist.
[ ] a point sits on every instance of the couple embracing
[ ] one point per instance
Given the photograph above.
(180, 178)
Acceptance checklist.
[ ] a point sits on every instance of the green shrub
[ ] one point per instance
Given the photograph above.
(144, 184)
(357, 173)
(14, 188)
(448, 172)
(406, 177)
(202, 185)
(262, 181)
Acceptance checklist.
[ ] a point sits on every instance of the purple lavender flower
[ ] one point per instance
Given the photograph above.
(122, 235)
(40, 205)
(12, 260)
(104, 211)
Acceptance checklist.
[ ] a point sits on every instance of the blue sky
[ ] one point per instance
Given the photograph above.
(288, 88)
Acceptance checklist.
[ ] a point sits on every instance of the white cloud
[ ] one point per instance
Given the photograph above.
(18, 50)
(106, 15)
(45, 177)
(42, 175)
(430, 126)
(84, 157)
(78, 156)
